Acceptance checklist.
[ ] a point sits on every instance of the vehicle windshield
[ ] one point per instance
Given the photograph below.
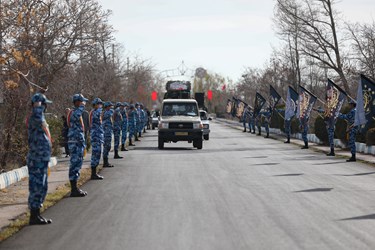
(186, 109)
(203, 115)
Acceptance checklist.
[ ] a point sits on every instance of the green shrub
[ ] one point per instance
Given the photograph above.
(370, 137)
(321, 129)
(295, 126)
(55, 127)
(277, 121)
(340, 130)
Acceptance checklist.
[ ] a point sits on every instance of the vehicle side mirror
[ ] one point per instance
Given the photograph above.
(210, 119)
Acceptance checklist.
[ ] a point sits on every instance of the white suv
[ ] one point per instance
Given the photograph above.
(180, 121)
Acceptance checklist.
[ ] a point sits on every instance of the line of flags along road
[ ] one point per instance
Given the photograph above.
(300, 104)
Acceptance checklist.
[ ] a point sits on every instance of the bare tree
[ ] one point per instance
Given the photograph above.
(288, 29)
(318, 36)
(363, 37)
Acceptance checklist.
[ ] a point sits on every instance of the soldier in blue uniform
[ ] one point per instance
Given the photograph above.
(351, 129)
(108, 130)
(124, 132)
(132, 123)
(267, 119)
(117, 126)
(144, 118)
(287, 125)
(304, 126)
(77, 143)
(40, 145)
(331, 132)
(244, 119)
(97, 136)
(258, 120)
(138, 122)
(251, 121)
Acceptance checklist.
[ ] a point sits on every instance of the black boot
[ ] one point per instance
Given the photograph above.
(267, 136)
(94, 175)
(136, 137)
(117, 156)
(131, 143)
(75, 191)
(139, 134)
(287, 140)
(123, 148)
(332, 153)
(37, 219)
(106, 163)
(244, 130)
(144, 130)
(352, 158)
(306, 146)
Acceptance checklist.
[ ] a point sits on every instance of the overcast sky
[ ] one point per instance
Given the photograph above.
(223, 36)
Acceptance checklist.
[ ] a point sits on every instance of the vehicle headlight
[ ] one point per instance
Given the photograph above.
(197, 125)
(164, 125)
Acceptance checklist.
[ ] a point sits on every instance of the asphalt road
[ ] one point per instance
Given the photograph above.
(240, 191)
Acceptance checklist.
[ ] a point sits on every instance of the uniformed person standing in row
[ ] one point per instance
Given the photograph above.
(304, 126)
(244, 119)
(351, 129)
(251, 122)
(39, 140)
(97, 136)
(330, 126)
(108, 130)
(258, 121)
(117, 126)
(267, 120)
(132, 114)
(76, 143)
(137, 122)
(124, 127)
(141, 120)
(287, 125)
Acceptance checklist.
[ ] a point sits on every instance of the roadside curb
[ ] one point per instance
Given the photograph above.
(14, 176)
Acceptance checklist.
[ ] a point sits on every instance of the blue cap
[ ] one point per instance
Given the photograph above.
(39, 97)
(126, 104)
(118, 104)
(132, 106)
(137, 104)
(79, 97)
(97, 101)
(108, 104)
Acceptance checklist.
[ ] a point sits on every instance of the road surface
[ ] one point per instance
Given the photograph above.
(240, 191)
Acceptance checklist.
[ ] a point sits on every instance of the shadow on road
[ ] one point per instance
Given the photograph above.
(266, 164)
(282, 175)
(359, 174)
(314, 190)
(364, 217)
(328, 163)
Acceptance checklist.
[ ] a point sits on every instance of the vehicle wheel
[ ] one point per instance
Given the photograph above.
(198, 144)
(206, 137)
(160, 143)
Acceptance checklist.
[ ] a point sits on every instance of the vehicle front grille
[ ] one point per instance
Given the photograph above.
(181, 125)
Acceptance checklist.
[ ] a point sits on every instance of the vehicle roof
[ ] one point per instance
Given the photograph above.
(180, 100)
